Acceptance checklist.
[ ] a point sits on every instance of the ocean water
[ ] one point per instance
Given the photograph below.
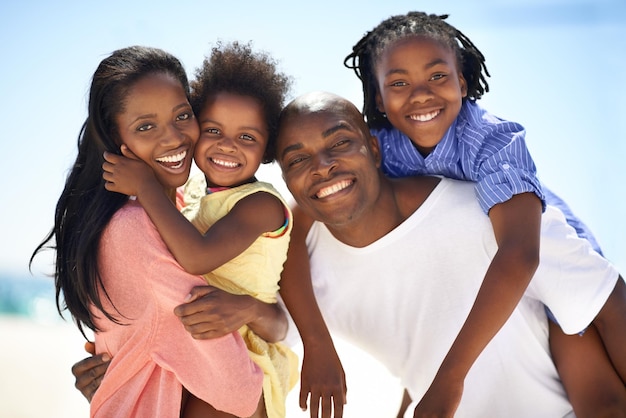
(28, 296)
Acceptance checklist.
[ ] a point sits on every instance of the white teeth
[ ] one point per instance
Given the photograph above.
(224, 163)
(173, 158)
(426, 117)
(327, 191)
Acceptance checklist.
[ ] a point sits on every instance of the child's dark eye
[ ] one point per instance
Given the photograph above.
(213, 131)
(247, 137)
(438, 77)
(398, 84)
(146, 127)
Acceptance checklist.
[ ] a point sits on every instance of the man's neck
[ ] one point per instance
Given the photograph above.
(398, 199)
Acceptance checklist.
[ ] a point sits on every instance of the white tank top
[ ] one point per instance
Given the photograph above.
(404, 298)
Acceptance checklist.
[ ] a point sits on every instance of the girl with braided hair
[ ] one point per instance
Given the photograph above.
(421, 79)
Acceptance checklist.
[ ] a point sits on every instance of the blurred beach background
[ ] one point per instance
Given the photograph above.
(557, 67)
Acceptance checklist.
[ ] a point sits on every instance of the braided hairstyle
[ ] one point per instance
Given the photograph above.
(236, 68)
(366, 53)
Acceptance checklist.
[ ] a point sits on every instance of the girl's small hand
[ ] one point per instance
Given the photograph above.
(127, 174)
(126, 152)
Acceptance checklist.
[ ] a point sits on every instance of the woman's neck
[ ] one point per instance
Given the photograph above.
(171, 193)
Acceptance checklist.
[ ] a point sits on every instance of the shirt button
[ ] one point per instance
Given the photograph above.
(506, 166)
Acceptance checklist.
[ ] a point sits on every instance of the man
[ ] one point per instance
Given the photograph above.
(396, 266)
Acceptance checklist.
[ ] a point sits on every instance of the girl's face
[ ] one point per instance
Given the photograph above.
(233, 138)
(420, 89)
(158, 125)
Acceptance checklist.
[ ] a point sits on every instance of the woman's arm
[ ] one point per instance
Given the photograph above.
(210, 313)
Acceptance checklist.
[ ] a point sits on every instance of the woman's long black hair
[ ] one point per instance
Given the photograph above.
(85, 206)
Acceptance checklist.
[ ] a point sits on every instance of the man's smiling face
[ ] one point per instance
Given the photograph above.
(329, 160)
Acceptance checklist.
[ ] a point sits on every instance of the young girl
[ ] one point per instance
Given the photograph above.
(240, 227)
(114, 271)
(421, 79)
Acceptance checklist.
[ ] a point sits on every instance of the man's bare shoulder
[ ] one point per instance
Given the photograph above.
(411, 192)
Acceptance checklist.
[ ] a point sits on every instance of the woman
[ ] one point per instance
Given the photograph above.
(117, 276)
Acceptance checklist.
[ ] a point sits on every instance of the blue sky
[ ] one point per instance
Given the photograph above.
(557, 67)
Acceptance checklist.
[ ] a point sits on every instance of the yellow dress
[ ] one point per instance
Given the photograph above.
(255, 272)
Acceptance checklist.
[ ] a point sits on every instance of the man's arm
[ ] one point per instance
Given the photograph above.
(322, 374)
(212, 313)
(88, 372)
(404, 404)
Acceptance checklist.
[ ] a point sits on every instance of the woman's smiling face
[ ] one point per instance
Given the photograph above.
(158, 126)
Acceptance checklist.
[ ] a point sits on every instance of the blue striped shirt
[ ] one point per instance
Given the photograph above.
(479, 147)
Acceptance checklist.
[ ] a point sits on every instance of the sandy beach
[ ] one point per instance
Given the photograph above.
(36, 381)
(35, 360)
